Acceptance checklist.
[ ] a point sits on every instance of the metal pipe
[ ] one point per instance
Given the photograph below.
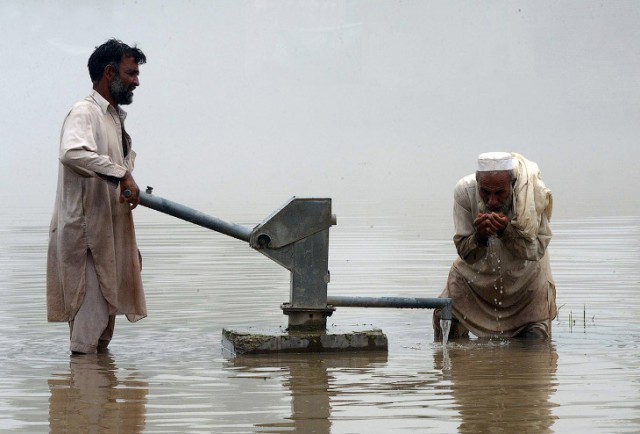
(397, 302)
(194, 216)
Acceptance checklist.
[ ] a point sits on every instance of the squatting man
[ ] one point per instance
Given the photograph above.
(93, 263)
(500, 283)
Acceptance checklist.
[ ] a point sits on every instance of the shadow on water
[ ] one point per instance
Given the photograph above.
(310, 380)
(501, 386)
(167, 373)
(94, 397)
(494, 386)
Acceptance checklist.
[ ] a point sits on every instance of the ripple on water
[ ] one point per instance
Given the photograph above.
(167, 372)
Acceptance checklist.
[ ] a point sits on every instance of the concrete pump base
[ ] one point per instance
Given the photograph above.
(269, 341)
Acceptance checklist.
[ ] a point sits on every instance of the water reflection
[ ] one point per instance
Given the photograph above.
(501, 386)
(310, 381)
(91, 398)
(171, 375)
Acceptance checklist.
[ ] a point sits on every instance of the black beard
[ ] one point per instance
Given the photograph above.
(119, 92)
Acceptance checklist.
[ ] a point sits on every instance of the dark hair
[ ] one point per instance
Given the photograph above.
(112, 52)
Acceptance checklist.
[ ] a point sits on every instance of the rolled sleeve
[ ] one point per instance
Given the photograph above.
(523, 248)
(467, 245)
(78, 148)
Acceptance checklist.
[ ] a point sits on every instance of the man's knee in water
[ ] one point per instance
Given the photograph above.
(533, 331)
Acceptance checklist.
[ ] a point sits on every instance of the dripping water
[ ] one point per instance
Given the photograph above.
(445, 326)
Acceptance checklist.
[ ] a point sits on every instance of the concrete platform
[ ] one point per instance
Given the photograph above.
(269, 341)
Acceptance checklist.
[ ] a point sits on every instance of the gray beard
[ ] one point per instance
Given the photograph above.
(506, 207)
(119, 92)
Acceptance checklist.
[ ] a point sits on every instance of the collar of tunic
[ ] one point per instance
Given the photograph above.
(104, 105)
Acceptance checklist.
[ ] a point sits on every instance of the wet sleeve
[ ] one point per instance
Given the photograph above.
(465, 240)
(523, 248)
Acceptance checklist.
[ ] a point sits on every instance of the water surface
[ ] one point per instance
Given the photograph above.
(168, 374)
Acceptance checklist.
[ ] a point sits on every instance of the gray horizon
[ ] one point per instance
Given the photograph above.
(253, 102)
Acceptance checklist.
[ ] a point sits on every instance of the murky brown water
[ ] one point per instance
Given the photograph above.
(167, 373)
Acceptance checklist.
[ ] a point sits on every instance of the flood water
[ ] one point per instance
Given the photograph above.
(168, 374)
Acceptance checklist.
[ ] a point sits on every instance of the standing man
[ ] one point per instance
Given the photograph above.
(93, 264)
(501, 283)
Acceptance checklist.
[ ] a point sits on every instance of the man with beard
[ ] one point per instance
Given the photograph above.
(93, 264)
(501, 283)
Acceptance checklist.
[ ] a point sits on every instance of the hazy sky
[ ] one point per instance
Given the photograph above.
(246, 102)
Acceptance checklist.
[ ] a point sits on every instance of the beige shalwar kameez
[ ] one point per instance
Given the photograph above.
(504, 287)
(88, 216)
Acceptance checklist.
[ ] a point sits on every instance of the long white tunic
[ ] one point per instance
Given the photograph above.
(88, 215)
(498, 289)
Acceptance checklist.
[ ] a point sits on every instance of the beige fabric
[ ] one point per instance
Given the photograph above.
(87, 216)
(540, 329)
(92, 327)
(531, 197)
(500, 288)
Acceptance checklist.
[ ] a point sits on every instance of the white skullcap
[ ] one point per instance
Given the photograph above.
(492, 161)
